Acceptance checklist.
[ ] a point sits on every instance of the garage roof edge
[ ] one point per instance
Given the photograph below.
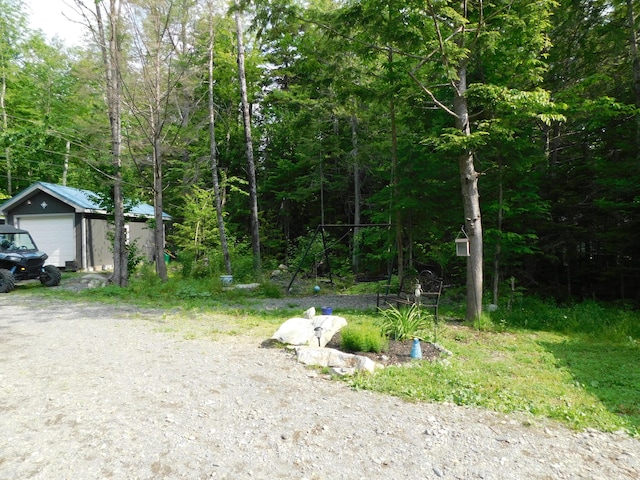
(83, 201)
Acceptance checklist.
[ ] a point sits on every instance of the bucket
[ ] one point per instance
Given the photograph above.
(226, 280)
(326, 310)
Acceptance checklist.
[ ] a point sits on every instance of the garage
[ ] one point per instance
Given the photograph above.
(73, 227)
(53, 234)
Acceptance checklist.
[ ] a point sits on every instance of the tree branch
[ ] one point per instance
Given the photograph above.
(433, 97)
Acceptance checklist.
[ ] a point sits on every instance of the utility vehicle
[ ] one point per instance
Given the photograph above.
(20, 260)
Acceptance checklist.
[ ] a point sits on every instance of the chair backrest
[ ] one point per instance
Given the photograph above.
(429, 282)
(430, 287)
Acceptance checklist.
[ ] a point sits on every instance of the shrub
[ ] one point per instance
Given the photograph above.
(403, 323)
(363, 338)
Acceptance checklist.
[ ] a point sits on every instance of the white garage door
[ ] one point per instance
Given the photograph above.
(53, 234)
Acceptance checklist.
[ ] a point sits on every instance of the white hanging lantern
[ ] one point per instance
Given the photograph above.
(462, 247)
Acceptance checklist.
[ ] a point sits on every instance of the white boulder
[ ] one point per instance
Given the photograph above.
(340, 362)
(313, 330)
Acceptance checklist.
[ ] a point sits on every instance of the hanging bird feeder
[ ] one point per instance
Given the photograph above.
(462, 245)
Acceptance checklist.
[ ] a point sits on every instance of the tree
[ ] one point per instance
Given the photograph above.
(467, 37)
(158, 78)
(213, 147)
(251, 167)
(109, 37)
(589, 240)
(12, 23)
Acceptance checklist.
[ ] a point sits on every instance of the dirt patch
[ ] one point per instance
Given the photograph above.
(398, 353)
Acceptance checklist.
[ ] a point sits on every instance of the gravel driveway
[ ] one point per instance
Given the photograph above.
(99, 392)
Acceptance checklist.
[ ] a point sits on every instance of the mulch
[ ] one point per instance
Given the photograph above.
(398, 353)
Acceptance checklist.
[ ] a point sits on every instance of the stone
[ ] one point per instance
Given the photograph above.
(340, 362)
(329, 325)
(313, 330)
(295, 331)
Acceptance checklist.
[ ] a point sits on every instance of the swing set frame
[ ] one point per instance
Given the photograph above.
(320, 229)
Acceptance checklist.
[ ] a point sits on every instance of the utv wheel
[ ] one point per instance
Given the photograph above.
(7, 281)
(51, 276)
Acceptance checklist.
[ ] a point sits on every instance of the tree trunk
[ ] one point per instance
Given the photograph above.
(213, 151)
(161, 266)
(396, 187)
(158, 201)
(65, 168)
(109, 44)
(496, 256)
(471, 202)
(635, 61)
(5, 125)
(251, 168)
(356, 196)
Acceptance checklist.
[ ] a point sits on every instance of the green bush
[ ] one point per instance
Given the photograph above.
(363, 338)
(596, 319)
(404, 323)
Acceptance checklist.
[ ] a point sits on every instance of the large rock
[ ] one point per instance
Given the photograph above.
(341, 362)
(314, 330)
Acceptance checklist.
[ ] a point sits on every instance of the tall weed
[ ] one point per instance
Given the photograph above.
(595, 319)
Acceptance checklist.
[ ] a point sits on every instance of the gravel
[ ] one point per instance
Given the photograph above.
(100, 392)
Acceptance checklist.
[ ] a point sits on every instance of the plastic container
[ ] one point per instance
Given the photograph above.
(226, 280)
(326, 310)
(416, 349)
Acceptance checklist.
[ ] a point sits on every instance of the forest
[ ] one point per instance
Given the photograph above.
(400, 125)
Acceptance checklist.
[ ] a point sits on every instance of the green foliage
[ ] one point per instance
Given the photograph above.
(363, 338)
(270, 290)
(198, 232)
(552, 116)
(616, 324)
(404, 323)
(134, 257)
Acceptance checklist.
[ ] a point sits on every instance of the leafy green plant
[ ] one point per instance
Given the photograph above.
(363, 338)
(403, 323)
(134, 257)
(269, 290)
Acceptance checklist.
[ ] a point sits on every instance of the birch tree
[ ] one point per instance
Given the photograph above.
(213, 147)
(157, 71)
(251, 167)
(105, 23)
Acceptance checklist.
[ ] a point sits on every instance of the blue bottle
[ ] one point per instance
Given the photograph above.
(416, 351)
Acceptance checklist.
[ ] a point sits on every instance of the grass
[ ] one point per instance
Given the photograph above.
(545, 374)
(363, 338)
(577, 364)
